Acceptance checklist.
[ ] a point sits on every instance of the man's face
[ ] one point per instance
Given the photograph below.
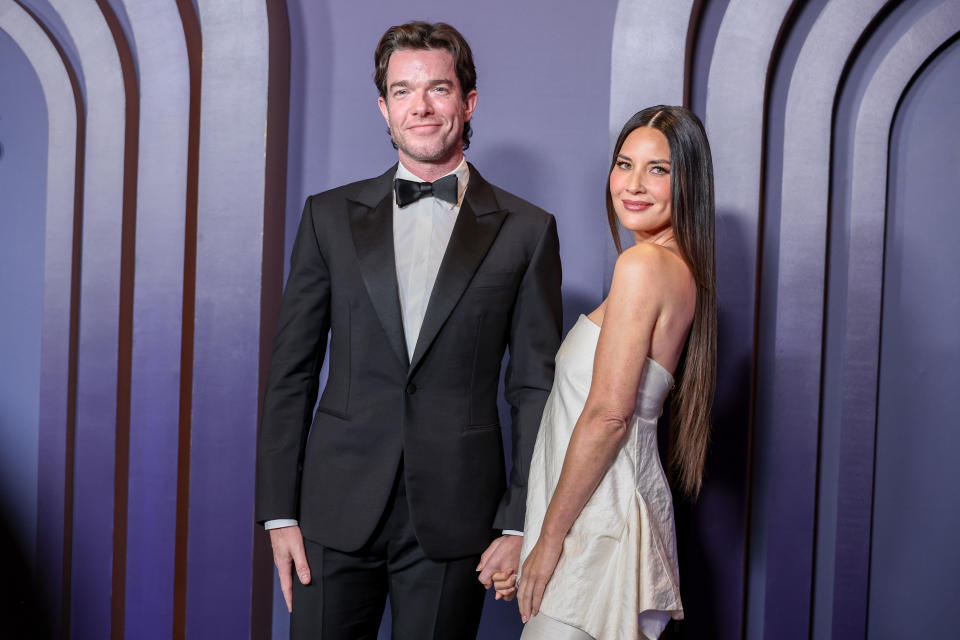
(423, 107)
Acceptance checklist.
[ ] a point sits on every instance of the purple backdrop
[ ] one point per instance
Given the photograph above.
(23, 172)
(204, 125)
(915, 505)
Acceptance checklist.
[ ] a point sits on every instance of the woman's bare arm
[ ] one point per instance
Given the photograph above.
(643, 283)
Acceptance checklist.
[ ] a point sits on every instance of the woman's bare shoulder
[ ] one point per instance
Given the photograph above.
(657, 269)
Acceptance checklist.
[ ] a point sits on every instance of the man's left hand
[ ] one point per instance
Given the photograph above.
(502, 555)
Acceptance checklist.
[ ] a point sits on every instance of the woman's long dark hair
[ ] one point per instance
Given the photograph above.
(692, 205)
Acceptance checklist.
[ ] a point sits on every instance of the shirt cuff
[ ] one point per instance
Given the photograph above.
(511, 532)
(276, 524)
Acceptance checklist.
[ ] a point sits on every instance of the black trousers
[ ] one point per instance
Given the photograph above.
(429, 599)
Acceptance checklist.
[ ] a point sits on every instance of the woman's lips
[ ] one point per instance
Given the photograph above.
(636, 205)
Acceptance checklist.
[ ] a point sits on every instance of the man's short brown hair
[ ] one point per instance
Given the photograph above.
(423, 35)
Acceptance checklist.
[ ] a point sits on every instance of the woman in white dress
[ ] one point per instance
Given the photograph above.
(599, 553)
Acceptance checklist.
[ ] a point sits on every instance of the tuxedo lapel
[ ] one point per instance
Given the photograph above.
(476, 228)
(371, 222)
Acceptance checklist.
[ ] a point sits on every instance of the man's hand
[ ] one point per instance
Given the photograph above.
(288, 550)
(501, 556)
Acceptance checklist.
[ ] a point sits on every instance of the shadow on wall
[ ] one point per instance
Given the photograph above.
(512, 167)
(731, 409)
(705, 602)
(525, 173)
(310, 123)
(21, 609)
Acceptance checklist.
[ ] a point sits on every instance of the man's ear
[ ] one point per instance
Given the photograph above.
(382, 103)
(469, 104)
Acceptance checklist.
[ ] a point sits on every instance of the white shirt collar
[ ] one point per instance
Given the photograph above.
(463, 177)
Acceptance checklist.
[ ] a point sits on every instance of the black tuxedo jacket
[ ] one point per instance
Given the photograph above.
(498, 287)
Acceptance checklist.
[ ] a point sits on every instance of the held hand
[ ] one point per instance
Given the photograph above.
(503, 554)
(288, 550)
(537, 571)
(505, 584)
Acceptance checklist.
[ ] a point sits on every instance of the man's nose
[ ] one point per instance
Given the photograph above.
(421, 104)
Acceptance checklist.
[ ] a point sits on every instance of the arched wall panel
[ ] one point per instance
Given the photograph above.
(914, 557)
(883, 34)
(648, 57)
(164, 81)
(706, 20)
(863, 310)
(23, 181)
(794, 389)
(734, 118)
(47, 16)
(230, 227)
(99, 348)
(55, 411)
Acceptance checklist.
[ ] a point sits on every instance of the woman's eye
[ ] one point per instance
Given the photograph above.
(623, 164)
(660, 171)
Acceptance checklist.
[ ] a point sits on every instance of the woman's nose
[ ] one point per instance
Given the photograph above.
(635, 185)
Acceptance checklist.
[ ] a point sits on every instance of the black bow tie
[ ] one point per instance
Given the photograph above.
(409, 191)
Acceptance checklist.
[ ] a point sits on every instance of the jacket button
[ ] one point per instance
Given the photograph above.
(411, 389)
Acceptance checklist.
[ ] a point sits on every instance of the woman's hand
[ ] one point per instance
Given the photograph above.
(505, 583)
(537, 571)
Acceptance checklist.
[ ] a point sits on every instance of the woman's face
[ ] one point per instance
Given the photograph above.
(640, 184)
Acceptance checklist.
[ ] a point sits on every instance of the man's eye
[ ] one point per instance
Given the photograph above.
(440, 89)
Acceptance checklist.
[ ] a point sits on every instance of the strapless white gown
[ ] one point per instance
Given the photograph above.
(617, 577)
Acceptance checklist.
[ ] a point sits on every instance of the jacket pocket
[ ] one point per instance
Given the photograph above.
(333, 412)
(479, 428)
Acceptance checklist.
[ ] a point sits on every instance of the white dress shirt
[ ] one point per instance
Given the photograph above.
(421, 233)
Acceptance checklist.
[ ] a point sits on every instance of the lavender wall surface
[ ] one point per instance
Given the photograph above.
(23, 175)
(915, 511)
(61, 116)
(157, 318)
(139, 345)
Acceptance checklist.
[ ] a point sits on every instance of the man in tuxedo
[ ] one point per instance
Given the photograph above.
(423, 277)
